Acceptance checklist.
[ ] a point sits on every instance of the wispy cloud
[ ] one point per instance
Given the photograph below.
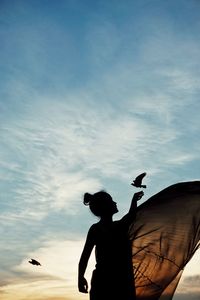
(60, 149)
(39, 290)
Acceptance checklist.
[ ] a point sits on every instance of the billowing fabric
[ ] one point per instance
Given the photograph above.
(165, 235)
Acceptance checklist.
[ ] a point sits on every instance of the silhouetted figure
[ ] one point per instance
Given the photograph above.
(138, 181)
(34, 262)
(113, 277)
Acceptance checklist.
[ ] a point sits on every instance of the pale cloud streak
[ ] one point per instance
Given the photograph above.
(189, 288)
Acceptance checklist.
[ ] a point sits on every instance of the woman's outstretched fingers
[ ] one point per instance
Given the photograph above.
(138, 195)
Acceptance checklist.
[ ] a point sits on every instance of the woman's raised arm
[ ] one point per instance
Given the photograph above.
(131, 215)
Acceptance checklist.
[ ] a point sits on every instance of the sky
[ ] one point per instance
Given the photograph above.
(92, 93)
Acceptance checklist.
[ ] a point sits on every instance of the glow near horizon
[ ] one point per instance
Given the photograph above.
(92, 94)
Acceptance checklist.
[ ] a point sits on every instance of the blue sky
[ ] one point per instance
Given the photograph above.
(92, 94)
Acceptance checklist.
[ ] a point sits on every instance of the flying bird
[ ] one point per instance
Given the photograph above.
(138, 181)
(34, 262)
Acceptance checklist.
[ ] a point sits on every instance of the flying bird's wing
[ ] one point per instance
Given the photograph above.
(137, 182)
(139, 178)
(165, 235)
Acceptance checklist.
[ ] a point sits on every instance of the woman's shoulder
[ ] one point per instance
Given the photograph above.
(94, 227)
(93, 232)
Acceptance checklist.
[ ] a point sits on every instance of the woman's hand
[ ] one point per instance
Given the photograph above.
(137, 196)
(83, 285)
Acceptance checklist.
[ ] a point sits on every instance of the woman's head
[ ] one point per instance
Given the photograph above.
(101, 203)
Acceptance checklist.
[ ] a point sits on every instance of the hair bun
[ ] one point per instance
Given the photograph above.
(87, 198)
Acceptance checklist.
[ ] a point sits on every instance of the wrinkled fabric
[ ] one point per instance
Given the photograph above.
(165, 235)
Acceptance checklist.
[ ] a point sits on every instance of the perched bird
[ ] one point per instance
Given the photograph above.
(34, 262)
(138, 181)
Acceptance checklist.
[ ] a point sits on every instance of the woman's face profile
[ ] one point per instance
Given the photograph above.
(112, 206)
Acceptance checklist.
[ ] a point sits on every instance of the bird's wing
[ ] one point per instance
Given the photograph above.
(34, 261)
(164, 237)
(140, 177)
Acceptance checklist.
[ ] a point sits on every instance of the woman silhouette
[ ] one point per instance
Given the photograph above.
(112, 278)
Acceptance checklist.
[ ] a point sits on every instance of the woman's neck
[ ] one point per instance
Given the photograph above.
(106, 219)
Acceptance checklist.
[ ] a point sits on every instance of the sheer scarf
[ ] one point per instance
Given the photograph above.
(165, 235)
